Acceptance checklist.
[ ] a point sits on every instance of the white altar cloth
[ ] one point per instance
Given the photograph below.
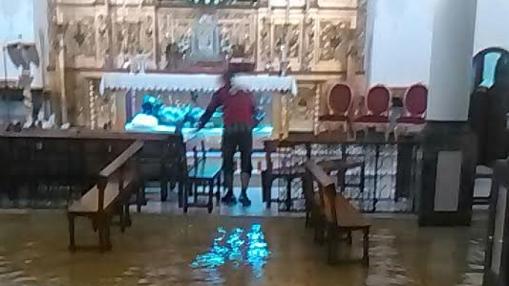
(194, 82)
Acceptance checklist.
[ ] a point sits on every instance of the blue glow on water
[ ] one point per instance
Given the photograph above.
(238, 247)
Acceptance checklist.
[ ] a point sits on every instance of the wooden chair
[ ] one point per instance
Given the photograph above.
(110, 196)
(339, 101)
(416, 104)
(332, 214)
(377, 104)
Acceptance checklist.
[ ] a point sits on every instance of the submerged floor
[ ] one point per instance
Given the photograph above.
(160, 250)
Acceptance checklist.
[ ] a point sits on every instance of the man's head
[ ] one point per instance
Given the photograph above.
(227, 77)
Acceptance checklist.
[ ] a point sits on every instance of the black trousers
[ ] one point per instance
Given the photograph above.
(237, 139)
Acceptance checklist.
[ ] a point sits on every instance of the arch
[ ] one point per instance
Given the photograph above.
(484, 65)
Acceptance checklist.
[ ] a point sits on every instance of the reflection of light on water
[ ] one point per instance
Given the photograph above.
(258, 250)
(239, 247)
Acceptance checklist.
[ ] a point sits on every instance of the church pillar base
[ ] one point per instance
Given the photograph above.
(447, 174)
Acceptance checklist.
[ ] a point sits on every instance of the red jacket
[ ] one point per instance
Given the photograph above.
(238, 108)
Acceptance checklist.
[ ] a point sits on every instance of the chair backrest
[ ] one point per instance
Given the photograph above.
(339, 98)
(416, 100)
(378, 99)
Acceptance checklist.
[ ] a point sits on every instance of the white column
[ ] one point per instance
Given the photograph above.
(451, 60)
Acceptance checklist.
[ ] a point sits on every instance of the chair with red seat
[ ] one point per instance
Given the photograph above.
(339, 101)
(416, 103)
(377, 103)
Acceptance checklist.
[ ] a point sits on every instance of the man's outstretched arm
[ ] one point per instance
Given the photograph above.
(211, 108)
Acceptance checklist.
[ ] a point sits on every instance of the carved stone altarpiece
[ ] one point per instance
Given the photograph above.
(322, 36)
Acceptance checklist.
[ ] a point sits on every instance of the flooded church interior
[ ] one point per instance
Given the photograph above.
(254, 142)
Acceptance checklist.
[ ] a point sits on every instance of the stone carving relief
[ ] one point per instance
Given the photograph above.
(319, 39)
(53, 31)
(357, 52)
(236, 35)
(103, 44)
(147, 34)
(174, 36)
(126, 42)
(80, 38)
(237, 40)
(335, 42)
(290, 33)
(264, 44)
(309, 44)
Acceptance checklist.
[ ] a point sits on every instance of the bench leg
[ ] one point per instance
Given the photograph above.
(127, 215)
(218, 193)
(100, 228)
(72, 242)
(211, 196)
(365, 256)
(319, 227)
(349, 239)
(264, 191)
(195, 192)
(289, 194)
(164, 190)
(180, 193)
(122, 217)
(186, 196)
(332, 244)
(107, 234)
(140, 197)
(267, 189)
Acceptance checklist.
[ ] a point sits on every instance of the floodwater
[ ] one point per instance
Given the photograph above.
(220, 250)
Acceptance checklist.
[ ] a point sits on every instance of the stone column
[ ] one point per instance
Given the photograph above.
(448, 158)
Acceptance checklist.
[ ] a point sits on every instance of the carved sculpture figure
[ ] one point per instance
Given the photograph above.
(205, 42)
(174, 57)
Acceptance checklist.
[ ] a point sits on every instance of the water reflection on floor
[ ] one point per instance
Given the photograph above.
(175, 250)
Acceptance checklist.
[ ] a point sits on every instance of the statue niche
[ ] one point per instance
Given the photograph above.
(205, 41)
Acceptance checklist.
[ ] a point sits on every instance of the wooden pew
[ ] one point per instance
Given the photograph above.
(109, 196)
(331, 213)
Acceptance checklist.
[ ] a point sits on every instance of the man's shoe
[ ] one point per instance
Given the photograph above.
(229, 199)
(244, 200)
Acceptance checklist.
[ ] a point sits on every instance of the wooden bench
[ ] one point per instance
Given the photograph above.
(202, 173)
(332, 214)
(110, 196)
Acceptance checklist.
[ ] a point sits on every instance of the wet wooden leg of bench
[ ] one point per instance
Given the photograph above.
(180, 193)
(349, 238)
(72, 242)
(100, 228)
(365, 256)
(264, 191)
(319, 226)
(164, 189)
(107, 235)
(140, 196)
(289, 194)
(267, 189)
(332, 243)
(195, 191)
(123, 222)
(185, 199)
(211, 196)
(218, 193)
(127, 214)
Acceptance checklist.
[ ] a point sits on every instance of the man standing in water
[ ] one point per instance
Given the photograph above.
(239, 120)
